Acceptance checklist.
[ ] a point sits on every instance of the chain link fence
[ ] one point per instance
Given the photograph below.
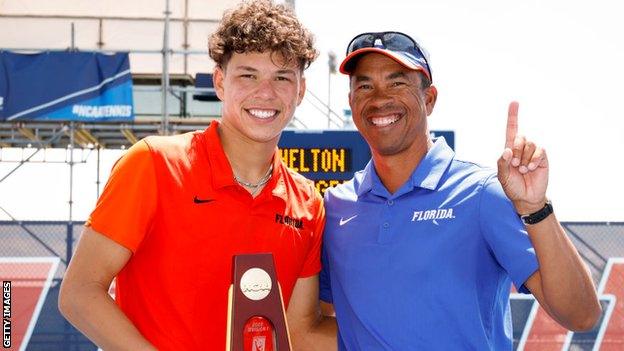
(27, 246)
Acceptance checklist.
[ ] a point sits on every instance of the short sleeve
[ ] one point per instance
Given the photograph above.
(126, 207)
(506, 235)
(312, 264)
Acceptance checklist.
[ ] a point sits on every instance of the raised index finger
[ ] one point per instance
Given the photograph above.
(512, 124)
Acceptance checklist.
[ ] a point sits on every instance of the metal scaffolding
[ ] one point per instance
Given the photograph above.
(41, 135)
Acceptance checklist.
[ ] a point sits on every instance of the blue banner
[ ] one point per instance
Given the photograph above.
(66, 86)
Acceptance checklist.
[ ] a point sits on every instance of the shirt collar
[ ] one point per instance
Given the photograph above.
(279, 171)
(427, 174)
(222, 174)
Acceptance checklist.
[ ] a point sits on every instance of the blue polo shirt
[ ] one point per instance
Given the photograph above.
(429, 267)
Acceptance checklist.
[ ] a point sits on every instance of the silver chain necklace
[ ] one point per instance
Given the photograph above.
(265, 179)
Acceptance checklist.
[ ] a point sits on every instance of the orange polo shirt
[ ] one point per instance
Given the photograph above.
(174, 203)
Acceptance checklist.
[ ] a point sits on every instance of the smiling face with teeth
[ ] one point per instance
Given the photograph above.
(389, 105)
(259, 93)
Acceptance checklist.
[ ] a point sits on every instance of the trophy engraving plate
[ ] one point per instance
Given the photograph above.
(258, 335)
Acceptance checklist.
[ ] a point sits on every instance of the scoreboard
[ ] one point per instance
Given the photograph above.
(330, 157)
(326, 157)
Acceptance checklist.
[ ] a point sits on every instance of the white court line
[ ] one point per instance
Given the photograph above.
(54, 262)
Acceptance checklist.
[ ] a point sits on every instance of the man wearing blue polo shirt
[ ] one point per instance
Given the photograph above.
(420, 248)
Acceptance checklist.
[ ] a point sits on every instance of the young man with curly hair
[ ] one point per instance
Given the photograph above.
(177, 208)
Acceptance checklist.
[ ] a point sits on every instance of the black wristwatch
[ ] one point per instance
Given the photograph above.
(538, 216)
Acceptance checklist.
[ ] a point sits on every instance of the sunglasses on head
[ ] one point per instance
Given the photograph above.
(393, 41)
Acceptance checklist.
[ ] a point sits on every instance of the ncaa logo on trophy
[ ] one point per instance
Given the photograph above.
(256, 318)
(256, 284)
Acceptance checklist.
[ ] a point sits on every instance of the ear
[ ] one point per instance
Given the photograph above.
(302, 89)
(217, 81)
(351, 89)
(431, 96)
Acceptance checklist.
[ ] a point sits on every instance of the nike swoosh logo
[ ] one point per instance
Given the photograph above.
(345, 221)
(201, 201)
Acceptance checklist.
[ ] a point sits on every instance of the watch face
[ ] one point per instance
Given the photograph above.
(526, 219)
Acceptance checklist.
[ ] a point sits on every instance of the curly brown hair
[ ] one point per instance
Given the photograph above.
(261, 26)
